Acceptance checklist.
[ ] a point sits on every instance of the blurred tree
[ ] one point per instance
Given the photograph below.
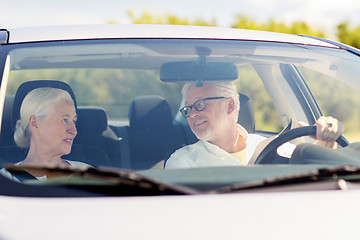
(348, 36)
(246, 22)
(344, 33)
(148, 18)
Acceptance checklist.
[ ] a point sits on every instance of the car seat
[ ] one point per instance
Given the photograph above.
(246, 114)
(93, 131)
(152, 134)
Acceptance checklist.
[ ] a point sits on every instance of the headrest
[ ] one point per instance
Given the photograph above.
(27, 87)
(246, 114)
(150, 111)
(91, 119)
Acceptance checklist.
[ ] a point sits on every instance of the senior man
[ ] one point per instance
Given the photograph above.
(212, 112)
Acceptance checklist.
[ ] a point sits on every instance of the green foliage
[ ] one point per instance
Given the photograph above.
(148, 18)
(245, 22)
(343, 31)
(348, 36)
(266, 116)
(333, 102)
(240, 21)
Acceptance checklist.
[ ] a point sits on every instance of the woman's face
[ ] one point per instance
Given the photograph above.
(56, 133)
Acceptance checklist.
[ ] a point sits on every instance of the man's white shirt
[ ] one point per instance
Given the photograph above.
(206, 154)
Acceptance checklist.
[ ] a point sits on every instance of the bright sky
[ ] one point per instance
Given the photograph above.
(321, 14)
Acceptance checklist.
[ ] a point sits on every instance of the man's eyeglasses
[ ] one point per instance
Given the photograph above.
(199, 106)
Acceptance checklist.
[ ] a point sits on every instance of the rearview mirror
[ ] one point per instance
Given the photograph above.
(194, 71)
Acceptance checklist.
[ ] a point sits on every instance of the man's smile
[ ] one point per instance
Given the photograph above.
(199, 123)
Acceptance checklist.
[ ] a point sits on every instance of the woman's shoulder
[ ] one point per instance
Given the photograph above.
(4, 172)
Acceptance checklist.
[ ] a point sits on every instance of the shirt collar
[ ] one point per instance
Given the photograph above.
(242, 131)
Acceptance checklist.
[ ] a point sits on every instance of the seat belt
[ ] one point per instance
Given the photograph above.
(259, 148)
(124, 147)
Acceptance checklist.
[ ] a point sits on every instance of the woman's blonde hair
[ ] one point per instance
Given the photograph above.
(39, 103)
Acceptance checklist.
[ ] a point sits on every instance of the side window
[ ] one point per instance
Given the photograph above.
(250, 84)
(328, 93)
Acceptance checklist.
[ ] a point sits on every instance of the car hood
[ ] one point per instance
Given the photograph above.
(295, 215)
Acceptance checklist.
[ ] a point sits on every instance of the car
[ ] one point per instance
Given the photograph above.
(126, 82)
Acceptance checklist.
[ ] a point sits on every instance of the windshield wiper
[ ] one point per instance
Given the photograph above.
(324, 178)
(103, 180)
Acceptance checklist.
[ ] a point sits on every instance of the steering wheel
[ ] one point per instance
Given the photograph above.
(267, 155)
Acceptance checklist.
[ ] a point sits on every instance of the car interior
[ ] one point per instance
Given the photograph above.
(98, 143)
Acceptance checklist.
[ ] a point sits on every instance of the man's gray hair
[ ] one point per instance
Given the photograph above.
(39, 103)
(221, 89)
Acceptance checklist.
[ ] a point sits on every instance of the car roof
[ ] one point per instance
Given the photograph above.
(113, 31)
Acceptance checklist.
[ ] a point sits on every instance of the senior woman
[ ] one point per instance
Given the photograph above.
(47, 127)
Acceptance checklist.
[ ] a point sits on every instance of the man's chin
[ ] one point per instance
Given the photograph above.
(203, 135)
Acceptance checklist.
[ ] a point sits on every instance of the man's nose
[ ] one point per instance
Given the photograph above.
(193, 113)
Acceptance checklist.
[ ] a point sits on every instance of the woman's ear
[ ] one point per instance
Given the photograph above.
(231, 105)
(33, 122)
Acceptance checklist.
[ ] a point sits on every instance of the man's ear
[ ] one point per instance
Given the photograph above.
(33, 122)
(231, 105)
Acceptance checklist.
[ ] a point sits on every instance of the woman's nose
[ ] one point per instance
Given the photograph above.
(72, 129)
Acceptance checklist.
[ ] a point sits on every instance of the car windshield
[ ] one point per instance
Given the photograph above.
(128, 96)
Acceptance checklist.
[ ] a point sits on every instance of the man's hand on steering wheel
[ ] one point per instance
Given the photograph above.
(328, 129)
